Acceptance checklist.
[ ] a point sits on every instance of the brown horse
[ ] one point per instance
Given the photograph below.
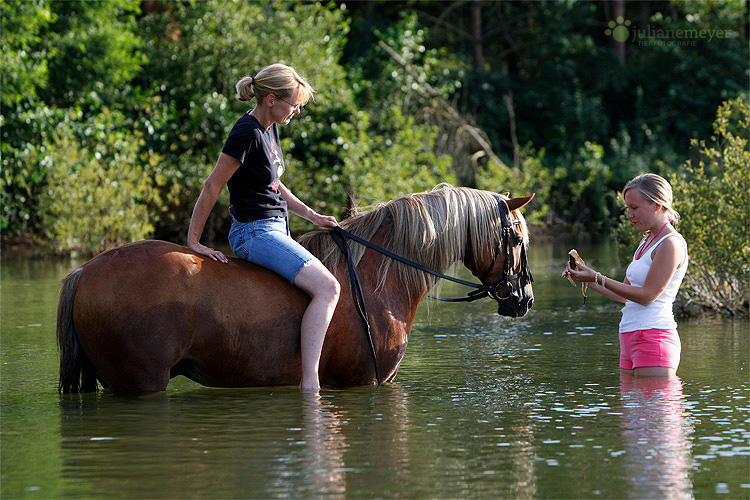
(136, 316)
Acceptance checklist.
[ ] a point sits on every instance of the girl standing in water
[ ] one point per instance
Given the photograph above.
(649, 342)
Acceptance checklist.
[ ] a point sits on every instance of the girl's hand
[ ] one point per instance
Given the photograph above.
(581, 274)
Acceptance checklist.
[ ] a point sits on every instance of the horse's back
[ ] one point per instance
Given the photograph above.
(142, 308)
(153, 272)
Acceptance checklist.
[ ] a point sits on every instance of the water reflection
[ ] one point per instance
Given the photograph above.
(324, 446)
(657, 435)
(225, 443)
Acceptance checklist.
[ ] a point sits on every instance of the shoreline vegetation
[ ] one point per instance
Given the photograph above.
(113, 113)
(686, 305)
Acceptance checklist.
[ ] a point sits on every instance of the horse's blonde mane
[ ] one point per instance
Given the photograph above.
(431, 228)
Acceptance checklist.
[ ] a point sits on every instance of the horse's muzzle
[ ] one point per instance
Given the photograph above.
(518, 304)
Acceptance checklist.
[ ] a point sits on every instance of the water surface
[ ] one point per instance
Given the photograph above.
(483, 407)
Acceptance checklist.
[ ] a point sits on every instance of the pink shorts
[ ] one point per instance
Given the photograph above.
(653, 347)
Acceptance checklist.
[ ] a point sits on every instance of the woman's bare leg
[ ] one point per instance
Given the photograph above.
(324, 290)
(662, 372)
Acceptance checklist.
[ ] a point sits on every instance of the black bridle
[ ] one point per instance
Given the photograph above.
(340, 235)
(524, 272)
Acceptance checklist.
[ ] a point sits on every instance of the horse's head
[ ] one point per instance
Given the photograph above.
(503, 263)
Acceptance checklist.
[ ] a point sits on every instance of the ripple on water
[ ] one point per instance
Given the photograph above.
(728, 437)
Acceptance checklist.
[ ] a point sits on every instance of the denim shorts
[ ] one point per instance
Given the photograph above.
(266, 242)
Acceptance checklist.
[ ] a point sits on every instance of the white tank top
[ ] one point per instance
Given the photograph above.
(657, 314)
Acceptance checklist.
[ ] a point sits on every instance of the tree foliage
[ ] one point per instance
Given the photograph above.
(88, 188)
(23, 56)
(713, 199)
(65, 63)
(712, 195)
(94, 52)
(549, 76)
(534, 98)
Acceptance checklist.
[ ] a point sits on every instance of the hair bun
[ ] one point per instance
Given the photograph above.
(244, 89)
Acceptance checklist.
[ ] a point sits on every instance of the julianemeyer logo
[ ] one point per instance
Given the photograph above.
(621, 30)
(618, 30)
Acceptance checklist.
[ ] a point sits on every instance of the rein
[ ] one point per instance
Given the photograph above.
(340, 235)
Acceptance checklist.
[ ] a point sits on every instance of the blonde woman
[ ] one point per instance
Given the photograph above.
(251, 165)
(649, 343)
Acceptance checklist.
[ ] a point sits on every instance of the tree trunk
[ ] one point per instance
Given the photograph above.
(476, 34)
(619, 11)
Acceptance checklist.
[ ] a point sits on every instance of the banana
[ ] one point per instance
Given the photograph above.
(574, 259)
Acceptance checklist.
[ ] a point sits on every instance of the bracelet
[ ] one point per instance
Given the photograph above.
(596, 279)
(604, 281)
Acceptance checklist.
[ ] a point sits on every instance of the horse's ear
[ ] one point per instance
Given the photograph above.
(516, 203)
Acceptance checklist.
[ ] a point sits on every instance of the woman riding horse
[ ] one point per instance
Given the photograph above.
(251, 165)
(137, 315)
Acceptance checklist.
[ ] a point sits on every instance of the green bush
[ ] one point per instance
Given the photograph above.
(23, 175)
(712, 196)
(711, 193)
(97, 188)
(531, 176)
(582, 194)
(383, 167)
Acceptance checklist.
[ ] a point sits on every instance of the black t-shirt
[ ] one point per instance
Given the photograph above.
(254, 187)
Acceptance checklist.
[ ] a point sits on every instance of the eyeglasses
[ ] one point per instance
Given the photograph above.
(295, 107)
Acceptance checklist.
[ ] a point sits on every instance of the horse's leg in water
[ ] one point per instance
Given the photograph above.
(324, 290)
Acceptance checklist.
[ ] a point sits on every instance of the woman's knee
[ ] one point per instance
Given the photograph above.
(318, 281)
(329, 286)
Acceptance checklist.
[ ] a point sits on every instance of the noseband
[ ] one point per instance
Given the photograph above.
(340, 235)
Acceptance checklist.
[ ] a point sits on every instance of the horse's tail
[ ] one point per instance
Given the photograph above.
(77, 374)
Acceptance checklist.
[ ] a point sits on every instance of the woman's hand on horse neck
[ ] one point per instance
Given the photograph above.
(225, 167)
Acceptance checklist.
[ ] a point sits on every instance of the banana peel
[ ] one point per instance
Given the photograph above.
(575, 260)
